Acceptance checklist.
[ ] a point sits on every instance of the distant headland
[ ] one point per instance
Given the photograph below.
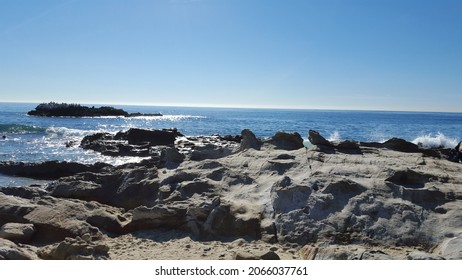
(53, 109)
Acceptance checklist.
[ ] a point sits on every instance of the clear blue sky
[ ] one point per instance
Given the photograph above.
(336, 54)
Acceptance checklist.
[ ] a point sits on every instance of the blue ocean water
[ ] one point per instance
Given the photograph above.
(33, 139)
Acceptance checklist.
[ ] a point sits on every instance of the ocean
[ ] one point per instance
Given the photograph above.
(35, 139)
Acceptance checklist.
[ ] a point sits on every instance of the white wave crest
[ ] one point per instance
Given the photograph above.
(334, 136)
(64, 131)
(435, 141)
(173, 118)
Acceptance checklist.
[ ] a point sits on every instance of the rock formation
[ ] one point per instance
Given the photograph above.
(345, 200)
(53, 109)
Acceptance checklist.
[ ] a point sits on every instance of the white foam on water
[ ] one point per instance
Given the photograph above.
(435, 141)
(334, 136)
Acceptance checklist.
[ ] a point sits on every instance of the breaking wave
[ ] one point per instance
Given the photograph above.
(435, 141)
(64, 131)
(334, 136)
(20, 129)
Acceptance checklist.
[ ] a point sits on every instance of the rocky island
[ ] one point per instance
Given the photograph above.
(53, 109)
(238, 197)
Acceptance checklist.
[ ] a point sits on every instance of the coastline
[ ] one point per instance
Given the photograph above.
(244, 198)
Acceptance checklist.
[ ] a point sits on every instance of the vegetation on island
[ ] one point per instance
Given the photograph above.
(53, 109)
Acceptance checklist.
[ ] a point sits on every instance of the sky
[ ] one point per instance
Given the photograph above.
(315, 54)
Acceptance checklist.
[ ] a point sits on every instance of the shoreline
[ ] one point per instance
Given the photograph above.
(222, 197)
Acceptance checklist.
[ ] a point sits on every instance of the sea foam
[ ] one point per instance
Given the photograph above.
(435, 141)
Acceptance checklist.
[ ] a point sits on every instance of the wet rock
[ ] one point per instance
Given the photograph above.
(286, 141)
(317, 139)
(29, 192)
(401, 145)
(134, 142)
(48, 170)
(137, 136)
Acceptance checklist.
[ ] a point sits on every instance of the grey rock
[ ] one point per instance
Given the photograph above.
(17, 232)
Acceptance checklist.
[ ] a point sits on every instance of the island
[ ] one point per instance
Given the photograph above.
(53, 109)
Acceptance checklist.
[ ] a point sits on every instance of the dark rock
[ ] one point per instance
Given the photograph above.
(231, 138)
(137, 136)
(33, 191)
(134, 142)
(249, 141)
(349, 147)
(137, 114)
(316, 139)
(48, 170)
(270, 255)
(126, 186)
(410, 179)
(401, 145)
(287, 141)
(53, 109)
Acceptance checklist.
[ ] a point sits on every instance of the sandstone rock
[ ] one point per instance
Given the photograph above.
(125, 186)
(17, 232)
(54, 219)
(160, 216)
(29, 192)
(270, 255)
(338, 252)
(210, 151)
(452, 248)
(75, 249)
(418, 255)
(244, 256)
(11, 251)
(222, 222)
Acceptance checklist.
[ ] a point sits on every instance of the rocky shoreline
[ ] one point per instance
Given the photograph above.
(237, 197)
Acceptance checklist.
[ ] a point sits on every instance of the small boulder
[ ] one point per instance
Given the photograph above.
(317, 139)
(76, 249)
(287, 141)
(10, 251)
(17, 232)
(249, 141)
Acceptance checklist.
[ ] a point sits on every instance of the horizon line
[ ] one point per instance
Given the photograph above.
(236, 106)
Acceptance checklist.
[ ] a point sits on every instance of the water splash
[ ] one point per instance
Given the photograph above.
(334, 136)
(435, 141)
